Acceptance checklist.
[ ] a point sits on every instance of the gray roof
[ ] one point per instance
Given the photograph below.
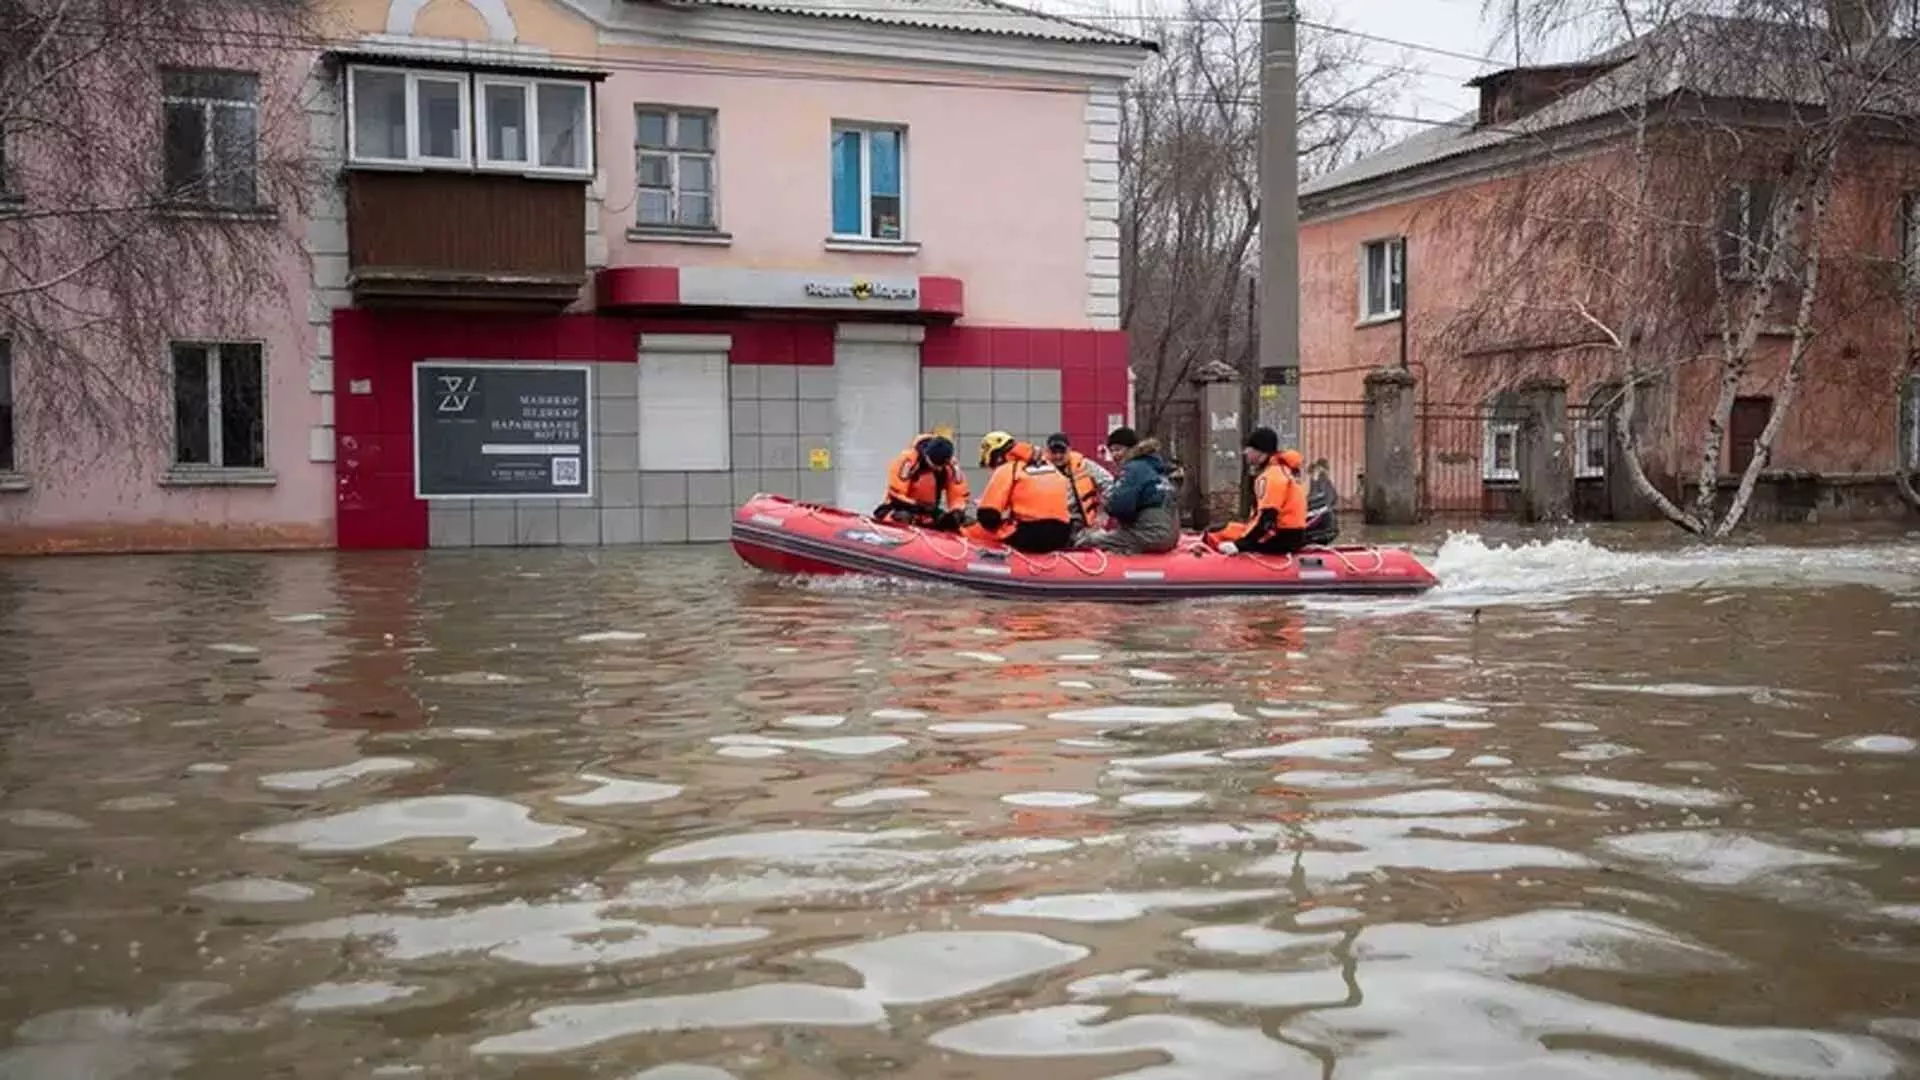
(1708, 56)
(963, 16)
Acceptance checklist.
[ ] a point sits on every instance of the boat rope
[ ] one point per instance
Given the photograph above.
(1197, 548)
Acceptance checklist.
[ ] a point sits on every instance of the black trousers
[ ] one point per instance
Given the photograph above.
(1041, 537)
(1278, 542)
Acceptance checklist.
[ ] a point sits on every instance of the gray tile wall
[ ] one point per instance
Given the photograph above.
(974, 401)
(780, 414)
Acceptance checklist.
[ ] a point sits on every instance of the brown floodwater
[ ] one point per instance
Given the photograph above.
(1585, 811)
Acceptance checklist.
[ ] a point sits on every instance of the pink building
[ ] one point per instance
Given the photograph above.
(593, 271)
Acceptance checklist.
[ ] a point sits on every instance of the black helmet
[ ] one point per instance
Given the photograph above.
(938, 451)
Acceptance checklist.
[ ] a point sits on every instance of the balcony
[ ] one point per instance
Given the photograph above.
(469, 240)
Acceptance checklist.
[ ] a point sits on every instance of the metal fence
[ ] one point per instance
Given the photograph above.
(1467, 455)
(1469, 461)
(1333, 436)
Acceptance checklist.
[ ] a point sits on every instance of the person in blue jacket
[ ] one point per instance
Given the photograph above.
(1142, 502)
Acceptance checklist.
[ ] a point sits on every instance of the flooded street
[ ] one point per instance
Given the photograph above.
(647, 813)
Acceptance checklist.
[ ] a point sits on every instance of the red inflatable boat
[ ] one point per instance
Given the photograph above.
(784, 536)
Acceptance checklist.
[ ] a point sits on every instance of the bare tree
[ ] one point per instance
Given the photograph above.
(1685, 217)
(153, 167)
(1189, 183)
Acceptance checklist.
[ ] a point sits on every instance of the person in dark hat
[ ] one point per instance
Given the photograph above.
(925, 487)
(1141, 503)
(1090, 481)
(1278, 525)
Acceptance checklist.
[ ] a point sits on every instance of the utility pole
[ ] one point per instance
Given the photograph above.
(1280, 219)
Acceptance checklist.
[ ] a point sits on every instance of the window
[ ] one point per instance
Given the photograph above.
(219, 406)
(7, 191)
(674, 165)
(1592, 449)
(1746, 229)
(212, 129)
(1911, 443)
(1382, 278)
(1502, 451)
(8, 462)
(1500, 457)
(1749, 418)
(686, 419)
(408, 117)
(869, 183)
(1909, 231)
(1594, 431)
(535, 124)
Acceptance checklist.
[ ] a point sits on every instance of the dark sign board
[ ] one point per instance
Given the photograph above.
(502, 431)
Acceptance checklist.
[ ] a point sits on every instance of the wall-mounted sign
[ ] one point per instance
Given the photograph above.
(861, 290)
(1269, 392)
(820, 459)
(502, 431)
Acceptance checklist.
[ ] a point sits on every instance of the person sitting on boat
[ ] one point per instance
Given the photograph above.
(1278, 525)
(925, 487)
(1026, 502)
(1322, 527)
(1141, 503)
(1090, 480)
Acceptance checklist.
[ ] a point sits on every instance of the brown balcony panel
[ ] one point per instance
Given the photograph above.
(465, 239)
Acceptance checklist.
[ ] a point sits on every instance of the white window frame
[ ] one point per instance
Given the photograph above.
(216, 452)
(414, 77)
(673, 425)
(1396, 267)
(1590, 434)
(866, 131)
(1752, 259)
(529, 101)
(208, 108)
(1489, 471)
(674, 155)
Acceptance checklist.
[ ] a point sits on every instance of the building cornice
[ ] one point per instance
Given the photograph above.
(1565, 143)
(650, 26)
(1446, 174)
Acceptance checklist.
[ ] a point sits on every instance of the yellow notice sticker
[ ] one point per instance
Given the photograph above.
(1269, 391)
(819, 459)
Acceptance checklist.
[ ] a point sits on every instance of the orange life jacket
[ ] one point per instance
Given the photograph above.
(1279, 505)
(1028, 491)
(1085, 487)
(1277, 489)
(913, 482)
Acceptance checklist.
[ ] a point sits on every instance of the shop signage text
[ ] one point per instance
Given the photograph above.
(860, 289)
(502, 431)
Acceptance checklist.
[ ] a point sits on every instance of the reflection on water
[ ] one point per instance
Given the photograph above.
(1579, 812)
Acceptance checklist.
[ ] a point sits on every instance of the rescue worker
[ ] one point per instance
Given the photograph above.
(1026, 504)
(925, 487)
(1090, 480)
(1141, 502)
(1278, 525)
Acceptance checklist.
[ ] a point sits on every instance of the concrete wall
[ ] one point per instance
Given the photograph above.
(1018, 236)
(94, 467)
(770, 403)
(781, 389)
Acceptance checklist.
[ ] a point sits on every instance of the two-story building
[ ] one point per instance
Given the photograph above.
(1402, 254)
(594, 271)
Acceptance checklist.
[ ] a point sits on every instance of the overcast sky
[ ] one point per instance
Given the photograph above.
(1445, 43)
